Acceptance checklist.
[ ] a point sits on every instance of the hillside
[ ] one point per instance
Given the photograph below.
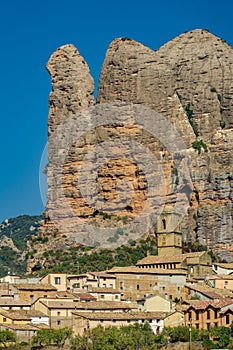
(14, 234)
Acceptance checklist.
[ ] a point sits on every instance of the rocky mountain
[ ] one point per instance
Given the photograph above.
(188, 82)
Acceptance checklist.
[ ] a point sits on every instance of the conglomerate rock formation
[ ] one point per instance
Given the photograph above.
(189, 81)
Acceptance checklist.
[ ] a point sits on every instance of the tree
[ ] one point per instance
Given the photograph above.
(7, 337)
(59, 336)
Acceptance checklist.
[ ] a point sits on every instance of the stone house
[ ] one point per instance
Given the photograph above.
(93, 279)
(14, 304)
(136, 283)
(208, 313)
(60, 311)
(58, 280)
(155, 303)
(30, 292)
(104, 293)
(23, 332)
(157, 320)
(203, 291)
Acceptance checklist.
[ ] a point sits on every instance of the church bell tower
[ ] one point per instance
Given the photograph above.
(169, 234)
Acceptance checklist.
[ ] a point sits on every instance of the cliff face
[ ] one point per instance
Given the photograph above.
(188, 81)
(197, 66)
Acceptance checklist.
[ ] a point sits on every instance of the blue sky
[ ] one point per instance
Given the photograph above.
(31, 30)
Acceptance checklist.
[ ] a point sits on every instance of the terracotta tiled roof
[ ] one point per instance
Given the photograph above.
(91, 305)
(13, 302)
(84, 296)
(138, 270)
(21, 327)
(216, 303)
(122, 315)
(177, 258)
(35, 286)
(14, 315)
(213, 293)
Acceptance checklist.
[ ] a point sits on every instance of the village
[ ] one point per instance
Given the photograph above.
(168, 290)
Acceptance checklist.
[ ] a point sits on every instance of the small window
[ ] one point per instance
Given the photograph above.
(208, 314)
(4, 319)
(138, 286)
(116, 296)
(164, 224)
(197, 326)
(197, 315)
(57, 280)
(58, 313)
(102, 296)
(227, 319)
(58, 322)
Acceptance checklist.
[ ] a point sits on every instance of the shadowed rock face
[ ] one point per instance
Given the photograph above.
(189, 81)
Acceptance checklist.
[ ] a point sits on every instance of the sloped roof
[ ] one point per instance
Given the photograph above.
(35, 286)
(122, 315)
(177, 258)
(14, 315)
(138, 270)
(216, 303)
(13, 302)
(91, 305)
(213, 293)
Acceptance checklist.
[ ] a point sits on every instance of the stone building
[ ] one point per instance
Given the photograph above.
(209, 313)
(169, 234)
(197, 264)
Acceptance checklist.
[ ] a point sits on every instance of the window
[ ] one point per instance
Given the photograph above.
(216, 324)
(58, 313)
(4, 319)
(208, 314)
(102, 296)
(190, 315)
(58, 322)
(116, 296)
(227, 319)
(57, 280)
(197, 315)
(164, 224)
(197, 326)
(215, 313)
(208, 326)
(138, 286)
(121, 285)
